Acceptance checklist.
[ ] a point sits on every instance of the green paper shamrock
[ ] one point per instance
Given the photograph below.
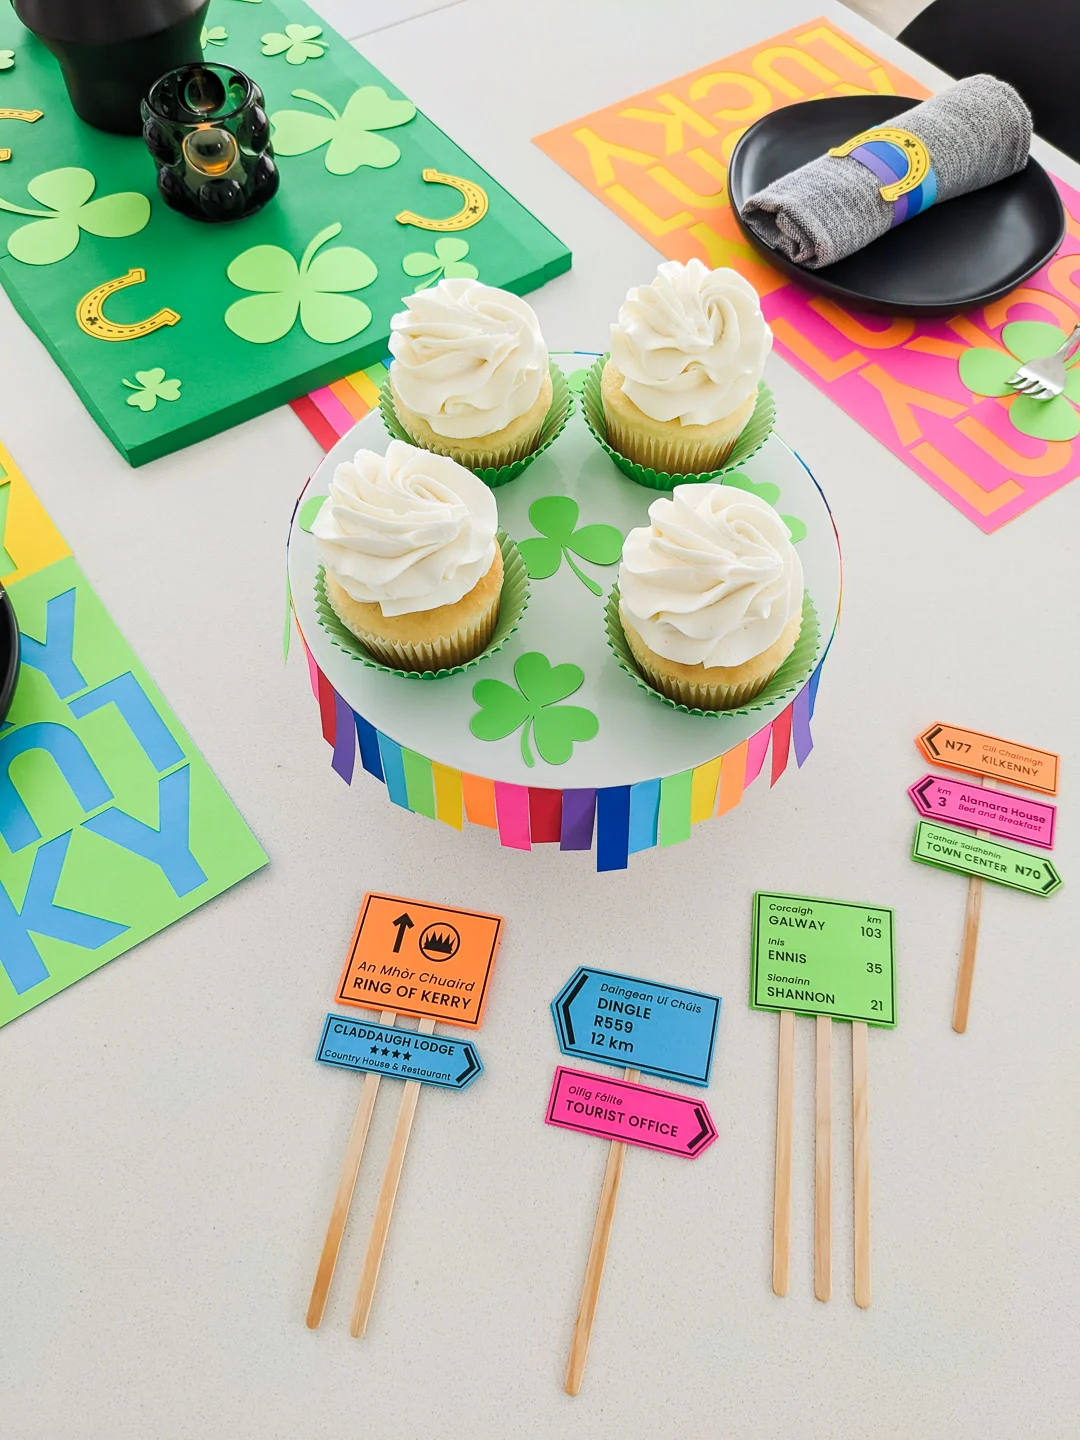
(308, 511)
(448, 260)
(556, 518)
(313, 290)
(215, 35)
(535, 705)
(770, 493)
(70, 210)
(352, 143)
(299, 43)
(7, 59)
(151, 387)
(576, 382)
(763, 489)
(985, 372)
(7, 563)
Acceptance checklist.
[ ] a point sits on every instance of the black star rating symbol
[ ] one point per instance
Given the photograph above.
(374, 1049)
(397, 1054)
(386, 1052)
(407, 1055)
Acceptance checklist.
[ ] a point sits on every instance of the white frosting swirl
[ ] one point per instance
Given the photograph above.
(692, 345)
(410, 531)
(468, 359)
(713, 579)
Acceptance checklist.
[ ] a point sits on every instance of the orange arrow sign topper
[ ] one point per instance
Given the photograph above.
(988, 755)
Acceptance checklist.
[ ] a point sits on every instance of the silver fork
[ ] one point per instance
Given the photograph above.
(1044, 379)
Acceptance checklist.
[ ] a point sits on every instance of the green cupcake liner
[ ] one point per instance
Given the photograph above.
(512, 606)
(792, 673)
(559, 412)
(754, 434)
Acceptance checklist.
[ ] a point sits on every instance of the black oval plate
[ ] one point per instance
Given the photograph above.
(9, 652)
(955, 256)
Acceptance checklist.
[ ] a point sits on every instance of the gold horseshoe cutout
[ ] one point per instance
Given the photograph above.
(91, 319)
(916, 153)
(471, 213)
(30, 116)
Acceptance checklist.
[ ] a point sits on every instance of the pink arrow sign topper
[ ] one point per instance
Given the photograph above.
(638, 1114)
(1012, 816)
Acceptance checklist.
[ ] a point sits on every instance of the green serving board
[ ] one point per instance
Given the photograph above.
(223, 377)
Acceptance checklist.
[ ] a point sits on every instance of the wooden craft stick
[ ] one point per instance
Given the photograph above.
(968, 946)
(350, 1168)
(785, 1106)
(384, 1208)
(823, 1160)
(594, 1268)
(860, 1115)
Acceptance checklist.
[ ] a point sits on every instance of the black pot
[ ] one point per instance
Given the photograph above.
(9, 652)
(112, 51)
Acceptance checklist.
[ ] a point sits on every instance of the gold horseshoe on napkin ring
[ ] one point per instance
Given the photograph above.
(910, 146)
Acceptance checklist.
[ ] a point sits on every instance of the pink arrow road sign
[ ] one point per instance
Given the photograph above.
(638, 1114)
(1014, 817)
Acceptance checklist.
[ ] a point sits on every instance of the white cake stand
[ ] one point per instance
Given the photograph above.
(651, 771)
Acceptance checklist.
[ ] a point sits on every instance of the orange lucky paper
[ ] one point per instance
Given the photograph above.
(659, 161)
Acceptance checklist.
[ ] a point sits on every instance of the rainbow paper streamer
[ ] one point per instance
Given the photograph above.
(545, 816)
(512, 811)
(888, 161)
(331, 412)
(618, 821)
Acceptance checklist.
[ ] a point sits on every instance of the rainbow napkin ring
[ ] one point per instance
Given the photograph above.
(901, 162)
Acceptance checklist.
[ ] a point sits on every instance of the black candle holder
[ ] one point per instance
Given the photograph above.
(207, 130)
(9, 652)
(110, 51)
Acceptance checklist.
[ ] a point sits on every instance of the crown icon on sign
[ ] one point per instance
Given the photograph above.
(439, 942)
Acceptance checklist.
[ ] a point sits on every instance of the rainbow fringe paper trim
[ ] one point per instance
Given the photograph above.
(618, 821)
(330, 412)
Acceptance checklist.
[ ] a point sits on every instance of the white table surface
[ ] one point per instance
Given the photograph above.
(169, 1149)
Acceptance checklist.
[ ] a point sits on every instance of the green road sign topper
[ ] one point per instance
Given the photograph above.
(823, 957)
(972, 855)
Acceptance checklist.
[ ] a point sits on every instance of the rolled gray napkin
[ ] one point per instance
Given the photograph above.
(971, 135)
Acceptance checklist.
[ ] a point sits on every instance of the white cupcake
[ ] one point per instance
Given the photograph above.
(710, 595)
(470, 375)
(413, 567)
(687, 354)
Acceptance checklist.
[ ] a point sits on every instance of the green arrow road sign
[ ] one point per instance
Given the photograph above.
(971, 855)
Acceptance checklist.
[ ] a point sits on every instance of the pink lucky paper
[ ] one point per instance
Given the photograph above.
(899, 378)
